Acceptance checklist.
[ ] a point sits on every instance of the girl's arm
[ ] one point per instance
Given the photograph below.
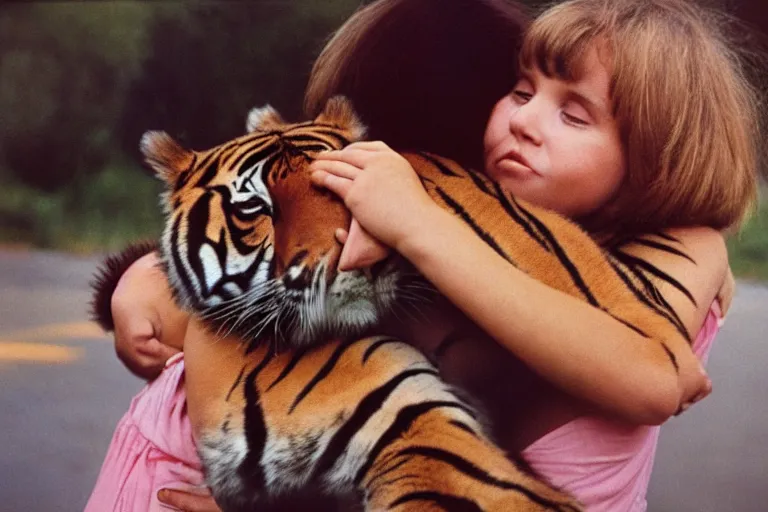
(149, 328)
(570, 343)
(574, 345)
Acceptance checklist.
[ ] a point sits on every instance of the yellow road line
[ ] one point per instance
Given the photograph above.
(58, 331)
(18, 352)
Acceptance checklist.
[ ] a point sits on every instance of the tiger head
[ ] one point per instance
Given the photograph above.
(249, 241)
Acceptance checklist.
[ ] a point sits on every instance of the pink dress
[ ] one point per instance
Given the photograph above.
(152, 448)
(607, 464)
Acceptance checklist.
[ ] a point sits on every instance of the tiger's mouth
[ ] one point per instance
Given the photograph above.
(301, 308)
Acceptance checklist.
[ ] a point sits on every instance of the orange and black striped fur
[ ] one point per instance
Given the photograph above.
(297, 398)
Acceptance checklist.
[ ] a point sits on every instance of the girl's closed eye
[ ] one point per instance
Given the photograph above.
(521, 96)
(576, 115)
(522, 92)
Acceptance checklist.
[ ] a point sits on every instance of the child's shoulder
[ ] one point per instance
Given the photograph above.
(691, 268)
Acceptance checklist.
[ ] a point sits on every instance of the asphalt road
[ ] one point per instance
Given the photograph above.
(62, 390)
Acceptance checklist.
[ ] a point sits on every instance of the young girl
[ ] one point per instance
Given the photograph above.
(603, 130)
(631, 117)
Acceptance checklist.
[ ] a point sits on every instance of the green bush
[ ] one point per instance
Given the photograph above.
(748, 251)
(117, 205)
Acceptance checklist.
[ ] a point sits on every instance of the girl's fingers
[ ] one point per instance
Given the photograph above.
(337, 167)
(353, 155)
(367, 145)
(188, 501)
(353, 150)
(336, 184)
(361, 250)
(341, 235)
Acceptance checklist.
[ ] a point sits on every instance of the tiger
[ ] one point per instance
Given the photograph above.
(298, 389)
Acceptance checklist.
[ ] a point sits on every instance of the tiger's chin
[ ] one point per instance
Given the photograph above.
(291, 317)
(353, 304)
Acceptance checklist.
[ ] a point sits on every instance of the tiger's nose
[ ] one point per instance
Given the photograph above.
(297, 277)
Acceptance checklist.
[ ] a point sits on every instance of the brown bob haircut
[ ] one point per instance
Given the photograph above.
(423, 74)
(687, 114)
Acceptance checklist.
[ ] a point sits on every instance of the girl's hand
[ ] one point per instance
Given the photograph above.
(360, 250)
(378, 186)
(188, 501)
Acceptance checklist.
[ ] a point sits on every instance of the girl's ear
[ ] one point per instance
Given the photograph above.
(339, 112)
(165, 155)
(263, 119)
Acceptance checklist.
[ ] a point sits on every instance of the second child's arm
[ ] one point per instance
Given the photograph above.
(149, 328)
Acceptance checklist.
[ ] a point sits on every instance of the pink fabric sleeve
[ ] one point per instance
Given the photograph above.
(152, 448)
(607, 464)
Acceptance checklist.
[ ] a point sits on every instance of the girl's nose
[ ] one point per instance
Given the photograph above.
(524, 122)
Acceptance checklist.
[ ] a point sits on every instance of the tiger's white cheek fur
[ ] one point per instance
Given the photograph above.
(222, 455)
(352, 301)
(211, 268)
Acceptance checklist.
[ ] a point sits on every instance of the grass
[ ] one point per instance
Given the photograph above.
(748, 250)
(118, 205)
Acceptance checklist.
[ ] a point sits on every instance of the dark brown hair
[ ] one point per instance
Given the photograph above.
(423, 74)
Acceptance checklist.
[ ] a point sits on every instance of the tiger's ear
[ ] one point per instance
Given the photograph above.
(339, 112)
(165, 155)
(263, 119)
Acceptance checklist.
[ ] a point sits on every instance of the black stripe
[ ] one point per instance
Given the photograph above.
(642, 298)
(465, 217)
(663, 247)
(367, 407)
(511, 210)
(624, 322)
(372, 483)
(181, 271)
(561, 255)
(470, 470)
(666, 236)
(252, 155)
(208, 175)
(654, 293)
(317, 134)
(376, 345)
(234, 385)
(186, 173)
(255, 429)
(198, 217)
(322, 373)
(639, 295)
(631, 260)
(444, 169)
(297, 356)
(463, 426)
(444, 501)
(251, 160)
(672, 357)
(481, 182)
(301, 149)
(402, 423)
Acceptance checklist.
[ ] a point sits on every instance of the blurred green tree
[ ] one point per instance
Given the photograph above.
(64, 70)
(203, 73)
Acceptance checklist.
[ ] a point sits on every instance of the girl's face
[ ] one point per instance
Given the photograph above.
(555, 143)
